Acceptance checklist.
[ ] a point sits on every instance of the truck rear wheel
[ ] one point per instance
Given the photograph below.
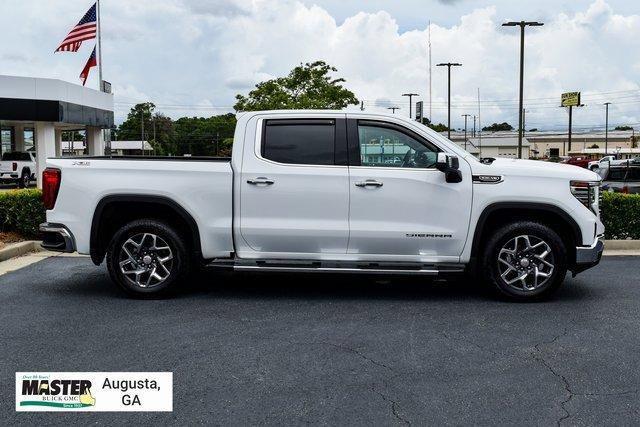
(525, 261)
(25, 179)
(147, 258)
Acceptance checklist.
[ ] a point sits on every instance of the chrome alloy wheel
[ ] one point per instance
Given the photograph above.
(146, 260)
(526, 263)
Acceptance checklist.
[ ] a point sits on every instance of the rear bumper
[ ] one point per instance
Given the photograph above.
(8, 176)
(587, 257)
(57, 237)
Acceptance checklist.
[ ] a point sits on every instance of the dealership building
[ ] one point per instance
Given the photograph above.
(34, 112)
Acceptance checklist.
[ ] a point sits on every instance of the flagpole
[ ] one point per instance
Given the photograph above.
(99, 45)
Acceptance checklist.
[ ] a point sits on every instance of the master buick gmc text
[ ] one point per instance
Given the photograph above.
(327, 191)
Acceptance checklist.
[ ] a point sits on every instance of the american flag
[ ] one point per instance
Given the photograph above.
(85, 30)
(91, 62)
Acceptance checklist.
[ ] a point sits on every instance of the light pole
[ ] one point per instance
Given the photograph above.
(393, 109)
(465, 130)
(410, 95)
(522, 25)
(449, 65)
(606, 128)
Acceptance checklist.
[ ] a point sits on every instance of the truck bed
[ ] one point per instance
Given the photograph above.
(202, 186)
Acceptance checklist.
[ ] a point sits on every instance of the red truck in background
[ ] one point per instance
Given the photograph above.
(581, 161)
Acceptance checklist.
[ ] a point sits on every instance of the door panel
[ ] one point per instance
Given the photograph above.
(412, 210)
(288, 208)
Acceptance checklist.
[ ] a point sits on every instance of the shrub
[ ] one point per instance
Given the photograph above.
(621, 215)
(21, 211)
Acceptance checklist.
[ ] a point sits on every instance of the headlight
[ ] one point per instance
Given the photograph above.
(587, 193)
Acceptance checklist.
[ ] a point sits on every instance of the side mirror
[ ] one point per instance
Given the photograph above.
(449, 165)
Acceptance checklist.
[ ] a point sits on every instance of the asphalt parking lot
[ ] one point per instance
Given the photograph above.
(338, 350)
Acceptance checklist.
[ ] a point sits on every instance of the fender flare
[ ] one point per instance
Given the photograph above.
(524, 206)
(96, 251)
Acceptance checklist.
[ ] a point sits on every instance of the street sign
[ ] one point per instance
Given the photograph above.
(419, 110)
(570, 99)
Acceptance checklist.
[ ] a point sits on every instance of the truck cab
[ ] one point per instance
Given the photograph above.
(329, 191)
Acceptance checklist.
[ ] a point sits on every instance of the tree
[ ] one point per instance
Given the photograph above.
(307, 86)
(594, 146)
(131, 128)
(504, 126)
(624, 127)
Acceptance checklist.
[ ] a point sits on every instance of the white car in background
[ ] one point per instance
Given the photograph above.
(18, 167)
(604, 162)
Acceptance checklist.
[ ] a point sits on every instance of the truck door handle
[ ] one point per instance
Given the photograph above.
(368, 183)
(260, 180)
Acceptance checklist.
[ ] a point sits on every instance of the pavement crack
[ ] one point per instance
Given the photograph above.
(469, 342)
(540, 358)
(394, 406)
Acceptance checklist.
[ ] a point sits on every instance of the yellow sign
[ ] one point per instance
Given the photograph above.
(570, 99)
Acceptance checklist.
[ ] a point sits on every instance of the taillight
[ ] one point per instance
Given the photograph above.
(15, 166)
(50, 186)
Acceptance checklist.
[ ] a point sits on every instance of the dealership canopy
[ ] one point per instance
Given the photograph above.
(46, 108)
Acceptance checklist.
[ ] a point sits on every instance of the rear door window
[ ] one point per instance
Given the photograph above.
(616, 174)
(305, 142)
(633, 175)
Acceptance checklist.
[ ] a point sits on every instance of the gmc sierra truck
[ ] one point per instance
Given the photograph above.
(327, 191)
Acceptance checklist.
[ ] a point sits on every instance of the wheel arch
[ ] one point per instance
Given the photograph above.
(555, 217)
(105, 222)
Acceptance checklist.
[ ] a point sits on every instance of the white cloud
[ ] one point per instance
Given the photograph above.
(196, 52)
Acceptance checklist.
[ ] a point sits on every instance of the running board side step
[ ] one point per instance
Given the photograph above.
(295, 266)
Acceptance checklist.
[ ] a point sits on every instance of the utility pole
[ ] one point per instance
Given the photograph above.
(570, 127)
(524, 121)
(474, 125)
(393, 109)
(410, 95)
(465, 130)
(449, 65)
(522, 25)
(430, 80)
(606, 128)
(142, 130)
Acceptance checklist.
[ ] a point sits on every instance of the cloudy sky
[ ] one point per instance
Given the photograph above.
(191, 57)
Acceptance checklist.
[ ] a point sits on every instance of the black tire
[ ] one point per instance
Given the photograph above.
(509, 237)
(178, 266)
(25, 179)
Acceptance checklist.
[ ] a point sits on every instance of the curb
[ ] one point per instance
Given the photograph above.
(21, 248)
(622, 245)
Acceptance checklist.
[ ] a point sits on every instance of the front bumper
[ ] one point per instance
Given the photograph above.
(587, 257)
(57, 237)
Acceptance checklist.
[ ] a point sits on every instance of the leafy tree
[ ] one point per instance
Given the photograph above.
(440, 127)
(594, 146)
(131, 128)
(307, 86)
(504, 126)
(624, 127)
(533, 130)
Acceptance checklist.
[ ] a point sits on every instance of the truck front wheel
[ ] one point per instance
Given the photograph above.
(147, 258)
(525, 261)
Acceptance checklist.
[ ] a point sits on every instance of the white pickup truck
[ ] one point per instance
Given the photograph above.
(18, 167)
(605, 163)
(327, 191)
